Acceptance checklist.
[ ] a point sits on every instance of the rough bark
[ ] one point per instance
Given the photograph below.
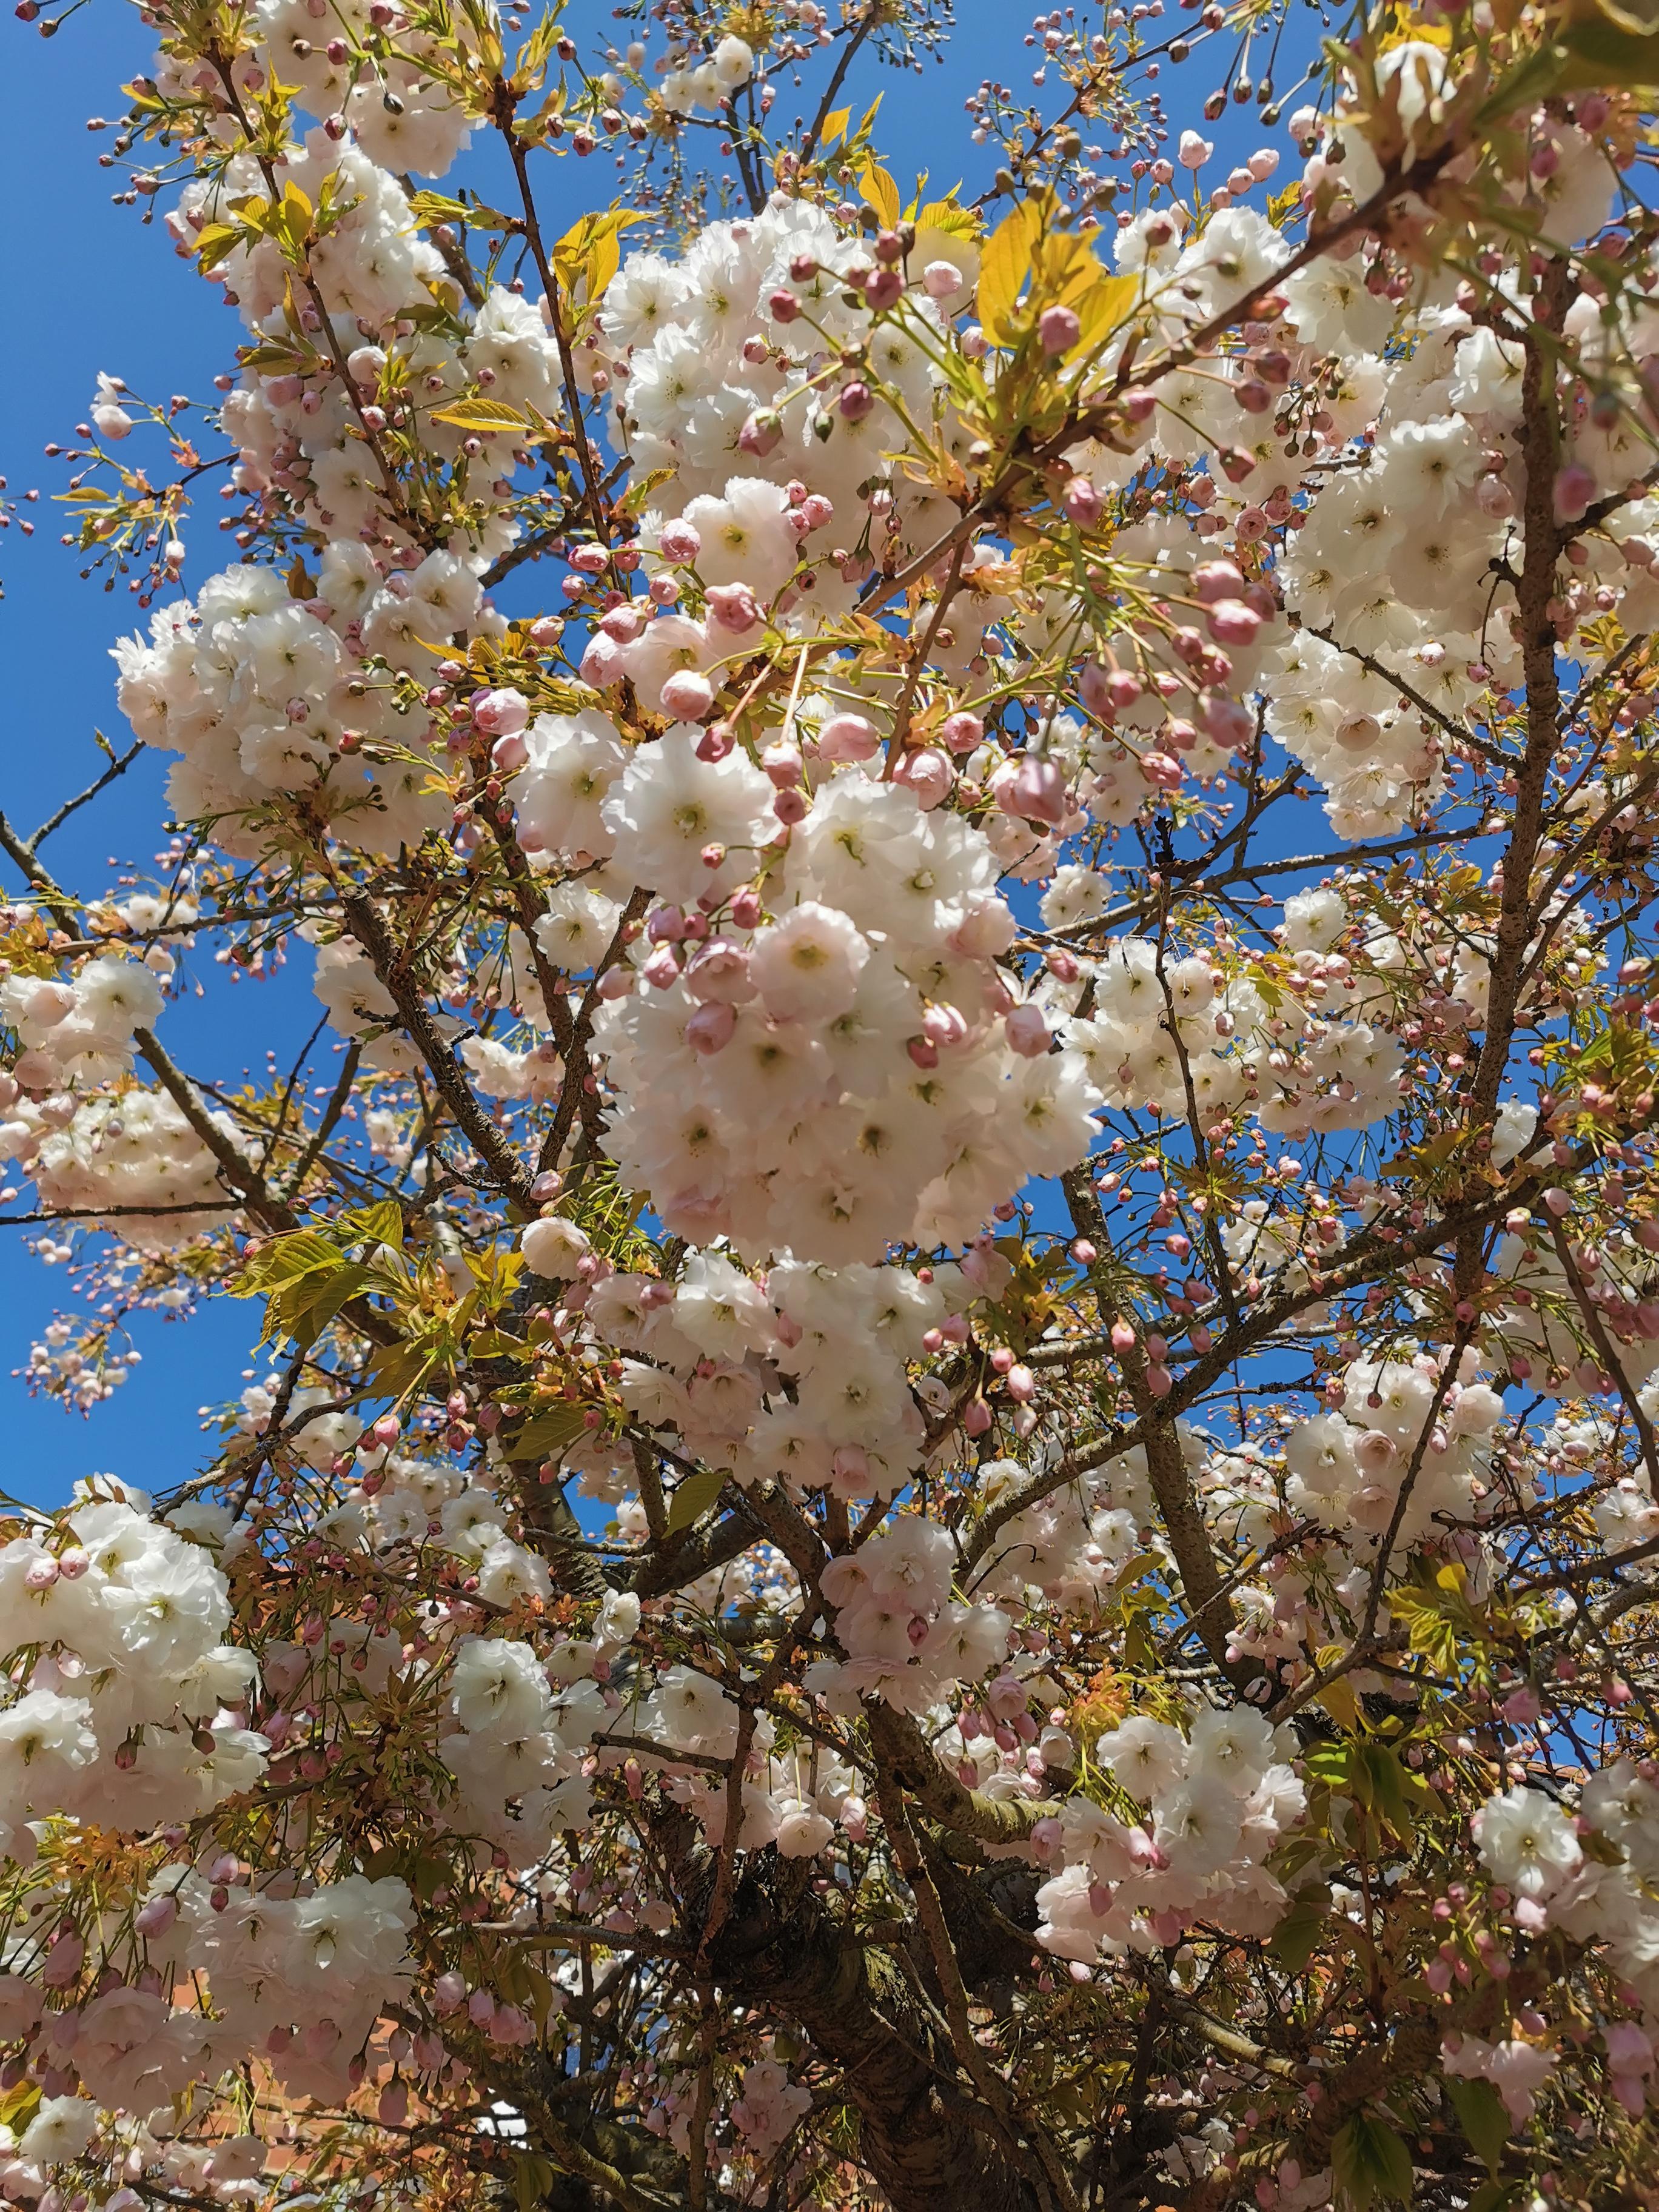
(920, 2138)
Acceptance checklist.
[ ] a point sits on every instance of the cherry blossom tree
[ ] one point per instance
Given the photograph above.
(951, 1492)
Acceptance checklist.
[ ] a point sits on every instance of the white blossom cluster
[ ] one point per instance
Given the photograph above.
(128, 1155)
(130, 1670)
(1220, 1799)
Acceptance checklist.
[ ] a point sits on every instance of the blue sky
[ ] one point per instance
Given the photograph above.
(92, 289)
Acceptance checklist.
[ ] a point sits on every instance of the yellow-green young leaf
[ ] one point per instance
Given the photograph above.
(1484, 2117)
(379, 1223)
(1004, 264)
(19, 2105)
(273, 356)
(214, 241)
(285, 1259)
(397, 1370)
(882, 194)
(306, 1309)
(834, 127)
(589, 250)
(1608, 53)
(637, 497)
(1368, 2164)
(439, 207)
(1101, 306)
(548, 1433)
(694, 1498)
(947, 217)
(485, 415)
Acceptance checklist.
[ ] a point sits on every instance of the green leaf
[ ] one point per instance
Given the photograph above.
(1295, 1940)
(1331, 1764)
(694, 1498)
(532, 2177)
(1388, 1792)
(1369, 2162)
(835, 126)
(1498, 2196)
(1483, 2116)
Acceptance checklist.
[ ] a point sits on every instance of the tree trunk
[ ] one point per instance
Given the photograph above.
(860, 2010)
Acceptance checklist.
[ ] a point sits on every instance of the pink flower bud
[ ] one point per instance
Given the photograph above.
(157, 1917)
(962, 731)
(687, 696)
(1083, 503)
(940, 279)
(715, 743)
(734, 607)
(499, 713)
(1057, 329)
(928, 772)
(64, 1962)
(603, 664)
(1035, 792)
(760, 434)
(847, 737)
(855, 402)
(783, 305)
(851, 1464)
(1217, 579)
(507, 754)
(976, 1417)
(1232, 623)
(1575, 487)
(623, 622)
(1227, 720)
(680, 543)
(1027, 1032)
